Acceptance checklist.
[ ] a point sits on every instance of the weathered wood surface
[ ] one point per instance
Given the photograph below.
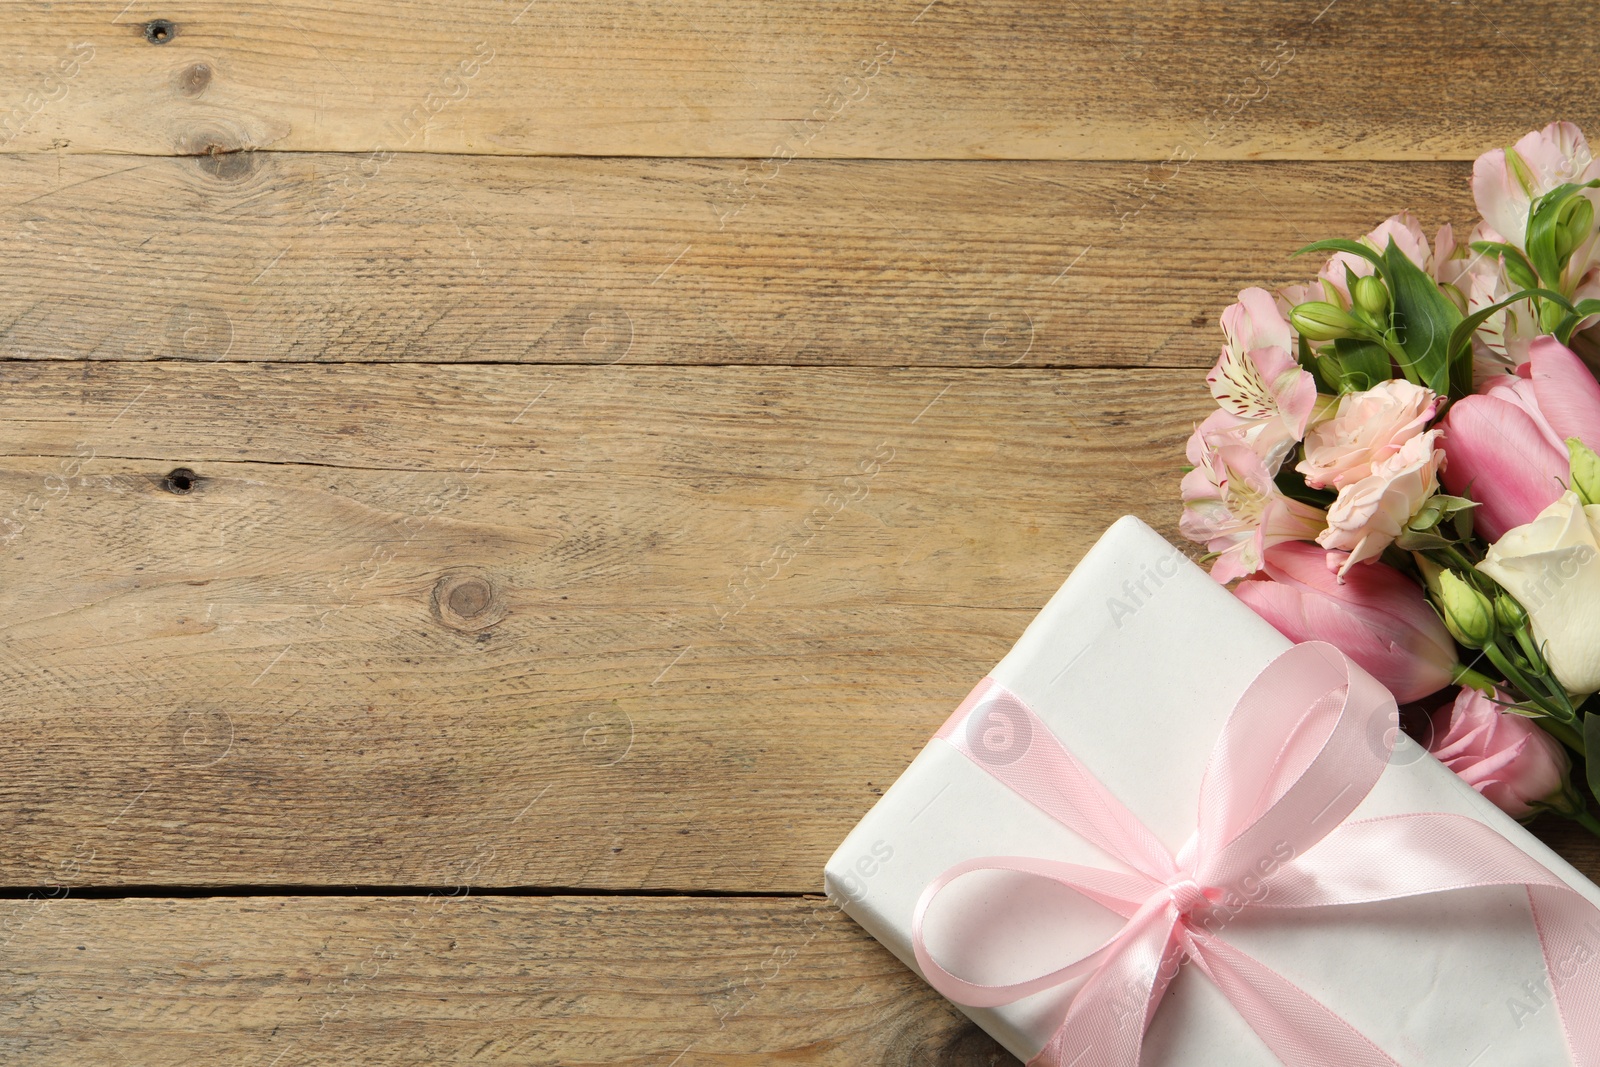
(441, 259)
(757, 79)
(390, 499)
(709, 613)
(459, 978)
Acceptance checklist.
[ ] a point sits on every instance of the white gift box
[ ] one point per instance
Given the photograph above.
(1134, 665)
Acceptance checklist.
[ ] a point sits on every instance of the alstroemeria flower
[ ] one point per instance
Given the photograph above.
(1505, 192)
(1234, 508)
(1505, 189)
(1408, 237)
(1265, 397)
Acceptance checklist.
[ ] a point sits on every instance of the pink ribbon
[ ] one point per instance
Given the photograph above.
(1305, 743)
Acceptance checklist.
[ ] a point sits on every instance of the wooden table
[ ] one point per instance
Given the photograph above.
(492, 492)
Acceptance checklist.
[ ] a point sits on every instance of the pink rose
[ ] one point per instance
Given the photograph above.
(1234, 508)
(1507, 445)
(1377, 616)
(1367, 428)
(1369, 514)
(1503, 756)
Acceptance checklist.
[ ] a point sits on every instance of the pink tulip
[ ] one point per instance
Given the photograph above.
(1506, 446)
(1503, 756)
(1377, 616)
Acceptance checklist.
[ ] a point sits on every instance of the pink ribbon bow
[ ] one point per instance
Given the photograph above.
(1305, 743)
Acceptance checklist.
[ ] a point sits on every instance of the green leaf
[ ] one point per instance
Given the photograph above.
(1355, 248)
(1544, 223)
(1461, 336)
(1518, 269)
(1425, 319)
(1294, 487)
(1421, 540)
(1580, 311)
(1363, 364)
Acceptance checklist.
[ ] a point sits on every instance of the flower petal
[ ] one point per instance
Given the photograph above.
(1568, 394)
(1498, 456)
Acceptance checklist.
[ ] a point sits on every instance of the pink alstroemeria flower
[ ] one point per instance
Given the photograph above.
(1377, 616)
(1403, 229)
(1505, 192)
(1506, 447)
(1265, 398)
(1234, 508)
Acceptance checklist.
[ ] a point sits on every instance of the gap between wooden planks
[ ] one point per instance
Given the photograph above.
(446, 259)
(774, 81)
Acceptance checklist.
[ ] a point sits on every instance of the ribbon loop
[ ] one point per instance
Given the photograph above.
(1303, 747)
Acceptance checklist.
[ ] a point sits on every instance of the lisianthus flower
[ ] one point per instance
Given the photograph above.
(1502, 755)
(1369, 514)
(1366, 428)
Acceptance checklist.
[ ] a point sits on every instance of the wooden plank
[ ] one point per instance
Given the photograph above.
(462, 978)
(619, 627)
(629, 627)
(444, 259)
(1292, 79)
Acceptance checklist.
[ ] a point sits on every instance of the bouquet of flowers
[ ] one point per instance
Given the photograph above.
(1403, 463)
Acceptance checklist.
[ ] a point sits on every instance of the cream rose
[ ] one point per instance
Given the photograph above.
(1552, 566)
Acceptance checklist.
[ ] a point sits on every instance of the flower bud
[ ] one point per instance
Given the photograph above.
(1467, 613)
(1508, 613)
(1575, 227)
(1585, 471)
(1371, 299)
(1318, 320)
(1550, 316)
(1430, 572)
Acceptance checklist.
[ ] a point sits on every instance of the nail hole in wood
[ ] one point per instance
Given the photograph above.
(180, 481)
(159, 31)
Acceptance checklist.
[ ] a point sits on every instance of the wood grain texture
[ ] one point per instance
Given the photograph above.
(1295, 79)
(709, 614)
(281, 257)
(458, 978)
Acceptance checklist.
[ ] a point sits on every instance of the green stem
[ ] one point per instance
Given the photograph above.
(1460, 558)
(1461, 674)
(1406, 364)
(1520, 680)
(1529, 649)
(1587, 821)
(1567, 734)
